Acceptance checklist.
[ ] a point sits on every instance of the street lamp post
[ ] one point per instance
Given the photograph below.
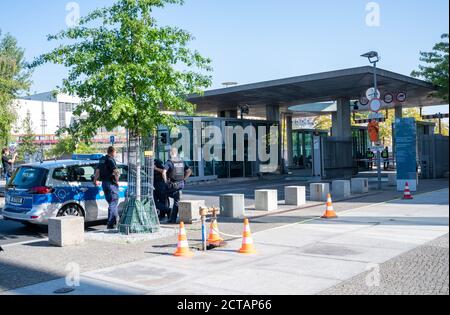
(374, 59)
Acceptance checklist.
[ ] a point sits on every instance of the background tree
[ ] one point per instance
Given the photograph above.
(27, 145)
(67, 145)
(323, 122)
(14, 79)
(436, 65)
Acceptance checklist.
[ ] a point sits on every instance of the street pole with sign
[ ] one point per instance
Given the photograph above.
(374, 59)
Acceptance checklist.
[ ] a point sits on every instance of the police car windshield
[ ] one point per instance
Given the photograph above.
(27, 177)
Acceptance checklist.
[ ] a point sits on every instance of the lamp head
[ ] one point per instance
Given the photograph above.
(372, 56)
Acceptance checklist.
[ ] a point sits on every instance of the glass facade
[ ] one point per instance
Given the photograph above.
(361, 143)
(218, 167)
(302, 141)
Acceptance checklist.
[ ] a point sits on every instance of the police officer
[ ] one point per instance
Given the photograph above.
(160, 192)
(108, 173)
(7, 163)
(385, 156)
(177, 172)
(370, 156)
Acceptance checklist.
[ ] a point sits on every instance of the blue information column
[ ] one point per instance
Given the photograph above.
(406, 151)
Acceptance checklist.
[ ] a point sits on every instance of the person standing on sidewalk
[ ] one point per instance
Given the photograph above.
(177, 172)
(160, 193)
(7, 163)
(109, 174)
(385, 156)
(370, 156)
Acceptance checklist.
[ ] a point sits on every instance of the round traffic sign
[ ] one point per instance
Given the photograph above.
(375, 105)
(363, 101)
(370, 94)
(401, 97)
(388, 98)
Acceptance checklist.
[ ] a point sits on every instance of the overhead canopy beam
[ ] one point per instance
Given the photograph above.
(320, 87)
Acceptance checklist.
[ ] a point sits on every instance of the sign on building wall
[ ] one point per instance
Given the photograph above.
(405, 143)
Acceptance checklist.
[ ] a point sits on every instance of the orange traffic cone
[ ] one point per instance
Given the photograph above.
(407, 194)
(329, 213)
(183, 246)
(247, 242)
(214, 236)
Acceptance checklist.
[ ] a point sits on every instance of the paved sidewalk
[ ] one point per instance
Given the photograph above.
(299, 258)
(422, 271)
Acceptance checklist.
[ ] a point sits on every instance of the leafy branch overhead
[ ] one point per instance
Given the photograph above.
(436, 65)
(128, 70)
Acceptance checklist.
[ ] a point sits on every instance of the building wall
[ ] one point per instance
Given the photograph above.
(58, 112)
(51, 110)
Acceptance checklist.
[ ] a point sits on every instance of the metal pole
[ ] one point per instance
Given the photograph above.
(378, 151)
(203, 233)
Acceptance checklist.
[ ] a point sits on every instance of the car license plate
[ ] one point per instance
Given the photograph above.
(16, 200)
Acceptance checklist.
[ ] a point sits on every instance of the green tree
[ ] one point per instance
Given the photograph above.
(129, 71)
(436, 66)
(14, 79)
(27, 145)
(68, 145)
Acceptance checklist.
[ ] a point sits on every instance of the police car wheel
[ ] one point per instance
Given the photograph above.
(70, 210)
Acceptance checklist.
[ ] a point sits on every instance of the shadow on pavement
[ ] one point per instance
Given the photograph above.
(15, 275)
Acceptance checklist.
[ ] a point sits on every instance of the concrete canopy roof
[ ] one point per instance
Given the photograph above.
(321, 87)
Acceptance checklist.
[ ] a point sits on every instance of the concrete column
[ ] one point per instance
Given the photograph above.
(289, 149)
(398, 112)
(334, 120)
(273, 112)
(342, 120)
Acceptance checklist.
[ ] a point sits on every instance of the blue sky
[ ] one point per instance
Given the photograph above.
(257, 40)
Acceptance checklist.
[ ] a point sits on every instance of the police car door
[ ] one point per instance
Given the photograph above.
(92, 197)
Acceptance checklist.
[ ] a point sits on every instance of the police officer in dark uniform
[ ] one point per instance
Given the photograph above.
(370, 156)
(177, 172)
(108, 173)
(7, 163)
(161, 190)
(385, 156)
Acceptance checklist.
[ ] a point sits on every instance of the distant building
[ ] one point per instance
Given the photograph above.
(49, 112)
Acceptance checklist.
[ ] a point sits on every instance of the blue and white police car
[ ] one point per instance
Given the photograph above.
(37, 192)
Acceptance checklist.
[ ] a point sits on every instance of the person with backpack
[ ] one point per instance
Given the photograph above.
(177, 172)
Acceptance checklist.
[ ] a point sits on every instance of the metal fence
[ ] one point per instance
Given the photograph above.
(140, 213)
(433, 156)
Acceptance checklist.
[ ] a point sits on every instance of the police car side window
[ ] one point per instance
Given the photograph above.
(85, 173)
(64, 174)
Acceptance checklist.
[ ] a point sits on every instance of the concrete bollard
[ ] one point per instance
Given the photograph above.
(266, 200)
(295, 195)
(189, 210)
(319, 191)
(392, 179)
(341, 188)
(66, 231)
(232, 205)
(360, 185)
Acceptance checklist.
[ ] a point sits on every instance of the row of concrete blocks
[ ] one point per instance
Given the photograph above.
(340, 188)
(233, 205)
(66, 231)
